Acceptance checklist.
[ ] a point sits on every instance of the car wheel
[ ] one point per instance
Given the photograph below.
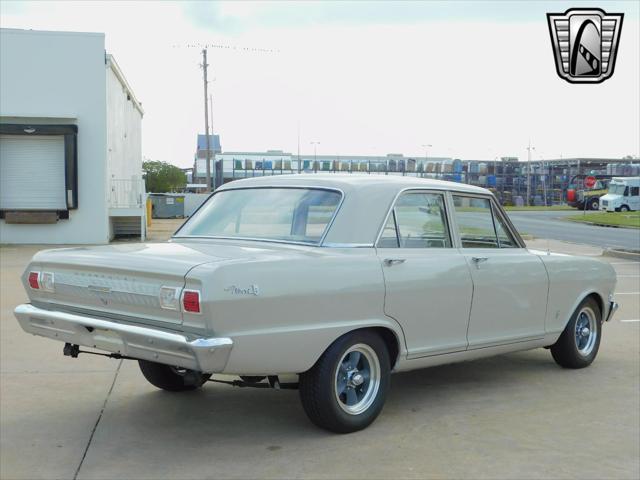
(624, 208)
(346, 389)
(173, 379)
(594, 204)
(578, 345)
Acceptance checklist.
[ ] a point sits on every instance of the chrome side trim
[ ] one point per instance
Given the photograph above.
(248, 239)
(347, 245)
(202, 354)
(613, 306)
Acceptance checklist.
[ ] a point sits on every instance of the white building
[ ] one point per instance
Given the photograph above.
(70, 141)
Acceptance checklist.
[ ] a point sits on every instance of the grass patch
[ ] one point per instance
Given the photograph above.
(539, 208)
(614, 219)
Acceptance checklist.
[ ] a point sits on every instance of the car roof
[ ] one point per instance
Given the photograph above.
(350, 182)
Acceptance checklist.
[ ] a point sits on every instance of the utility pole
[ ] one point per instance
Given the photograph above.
(299, 167)
(528, 173)
(315, 153)
(426, 147)
(206, 119)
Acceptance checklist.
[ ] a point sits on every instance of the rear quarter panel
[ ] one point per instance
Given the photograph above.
(283, 313)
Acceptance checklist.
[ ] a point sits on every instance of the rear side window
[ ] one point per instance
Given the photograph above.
(635, 191)
(418, 220)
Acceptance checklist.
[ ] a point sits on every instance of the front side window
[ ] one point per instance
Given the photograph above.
(284, 214)
(504, 236)
(475, 222)
(618, 189)
(417, 220)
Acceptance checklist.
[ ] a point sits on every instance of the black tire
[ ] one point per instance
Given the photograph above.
(318, 390)
(624, 208)
(594, 203)
(566, 351)
(172, 379)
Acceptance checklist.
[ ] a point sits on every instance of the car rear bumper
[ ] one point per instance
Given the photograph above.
(207, 355)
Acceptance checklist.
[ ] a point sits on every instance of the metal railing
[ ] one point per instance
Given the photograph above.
(126, 193)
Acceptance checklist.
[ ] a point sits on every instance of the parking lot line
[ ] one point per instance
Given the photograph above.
(631, 320)
(627, 293)
(631, 275)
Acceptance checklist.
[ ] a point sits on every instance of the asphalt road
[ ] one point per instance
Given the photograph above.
(508, 417)
(550, 224)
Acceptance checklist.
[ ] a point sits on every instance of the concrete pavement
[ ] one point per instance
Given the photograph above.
(513, 416)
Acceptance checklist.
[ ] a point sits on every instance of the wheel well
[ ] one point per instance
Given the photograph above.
(390, 340)
(598, 300)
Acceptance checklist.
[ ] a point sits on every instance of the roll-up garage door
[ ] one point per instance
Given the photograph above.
(32, 172)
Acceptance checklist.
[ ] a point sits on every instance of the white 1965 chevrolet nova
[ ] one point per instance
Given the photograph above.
(339, 279)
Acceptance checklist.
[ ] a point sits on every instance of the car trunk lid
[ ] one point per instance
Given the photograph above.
(117, 280)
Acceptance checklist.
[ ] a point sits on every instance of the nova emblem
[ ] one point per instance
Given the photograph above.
(251, 290)
(585, 43)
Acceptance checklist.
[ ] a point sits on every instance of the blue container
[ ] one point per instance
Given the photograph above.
(268, 165)
(491, 180)
(457, 177)
(457, 166)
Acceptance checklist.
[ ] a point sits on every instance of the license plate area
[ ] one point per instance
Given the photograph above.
(107, 340)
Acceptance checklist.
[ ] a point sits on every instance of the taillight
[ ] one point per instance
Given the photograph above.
(42, 281)
(191, 301)
(33, 280)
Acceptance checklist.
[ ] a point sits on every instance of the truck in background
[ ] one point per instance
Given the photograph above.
(584, 198)
(623, 195)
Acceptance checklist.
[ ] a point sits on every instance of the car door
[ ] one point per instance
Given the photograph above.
(428, 284)
(510, 284)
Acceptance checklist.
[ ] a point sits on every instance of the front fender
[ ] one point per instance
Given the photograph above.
(571, 280)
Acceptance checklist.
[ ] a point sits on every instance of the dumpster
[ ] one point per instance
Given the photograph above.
(167, 205)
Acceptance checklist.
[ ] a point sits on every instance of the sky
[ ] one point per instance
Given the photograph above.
(475, 80)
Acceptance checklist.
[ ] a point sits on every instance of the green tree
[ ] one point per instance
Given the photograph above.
(161, 177)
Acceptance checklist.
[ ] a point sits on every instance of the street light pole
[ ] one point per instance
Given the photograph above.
(315, 153)
(529, 149)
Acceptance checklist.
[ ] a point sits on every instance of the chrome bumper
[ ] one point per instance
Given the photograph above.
(613, 306)
(207, 355)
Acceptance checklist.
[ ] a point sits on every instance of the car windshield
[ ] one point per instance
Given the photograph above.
(616, 189)
(282, 214)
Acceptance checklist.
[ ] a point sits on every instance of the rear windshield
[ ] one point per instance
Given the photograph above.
(282, 214)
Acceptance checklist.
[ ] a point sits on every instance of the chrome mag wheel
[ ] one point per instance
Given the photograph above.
(357, 379)
(586, 331)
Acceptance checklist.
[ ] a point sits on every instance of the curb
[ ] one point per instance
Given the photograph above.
(628, 255)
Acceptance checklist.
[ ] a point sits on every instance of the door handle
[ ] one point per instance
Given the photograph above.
(394, 261)
(478, 260)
